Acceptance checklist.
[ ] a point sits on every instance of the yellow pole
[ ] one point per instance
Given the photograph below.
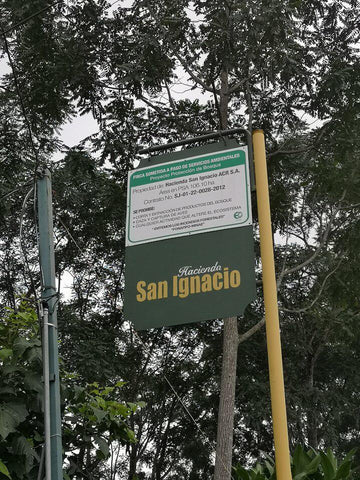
(277, 391)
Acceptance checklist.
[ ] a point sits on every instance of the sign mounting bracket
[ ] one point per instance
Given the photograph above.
(209, 136)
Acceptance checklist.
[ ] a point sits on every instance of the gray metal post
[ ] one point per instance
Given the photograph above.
(46, 376)
(47, 264)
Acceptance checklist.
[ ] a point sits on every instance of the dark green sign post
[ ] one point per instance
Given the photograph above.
(189, 244)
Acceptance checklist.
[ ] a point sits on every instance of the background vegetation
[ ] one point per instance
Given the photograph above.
(291, 67)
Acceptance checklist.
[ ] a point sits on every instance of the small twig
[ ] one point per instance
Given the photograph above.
(217, 103)
(305, 309)
(281, 276)
(183, 62)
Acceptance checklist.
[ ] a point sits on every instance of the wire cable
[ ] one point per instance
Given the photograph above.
(21, 101)
(8, 194)
(30, 17)
(23, 250)
(202, 433)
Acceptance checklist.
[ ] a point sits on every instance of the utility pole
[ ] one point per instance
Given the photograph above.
(50, 352)
(277, 389)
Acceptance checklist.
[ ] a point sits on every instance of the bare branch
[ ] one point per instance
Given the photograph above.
(171, 100)
(150, 104)
(281, 276)
(322, 241)
(314, 255)
(238, 85)
(259, 325)
(186, 65)
(305, 309)
(251, 331)
(349, 207)
(290, 152)
(249, 106)
(302, 150)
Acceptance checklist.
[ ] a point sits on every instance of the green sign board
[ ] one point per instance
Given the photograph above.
(189, 239)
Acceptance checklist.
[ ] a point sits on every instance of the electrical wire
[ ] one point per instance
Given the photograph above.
(203, 434)
(30, 17)
(45, 9)
(8, 194)
(22, 247)
(22, 105)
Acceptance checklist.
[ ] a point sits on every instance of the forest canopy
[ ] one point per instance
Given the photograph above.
(151, 72)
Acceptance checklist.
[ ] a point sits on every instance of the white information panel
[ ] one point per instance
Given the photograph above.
(185, 197)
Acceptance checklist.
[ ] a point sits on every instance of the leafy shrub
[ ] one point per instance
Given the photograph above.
(21, 391)
(93, 417)
(305, 465)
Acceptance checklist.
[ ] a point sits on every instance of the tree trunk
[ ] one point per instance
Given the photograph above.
(225, 425)
(312, 420)
(224, 442)
(224, 99)
(133, 458)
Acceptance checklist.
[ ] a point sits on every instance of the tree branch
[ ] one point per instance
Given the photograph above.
(305, 309)
(251, 331)
(184, 63)
(281, 276)
(314, 255)
(249, 106)
(238, 86)
(259, 325)
(302, 150)
(150, 104)
(290, 152)
(171, 100)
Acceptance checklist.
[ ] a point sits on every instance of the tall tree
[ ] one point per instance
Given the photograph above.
(270, 64)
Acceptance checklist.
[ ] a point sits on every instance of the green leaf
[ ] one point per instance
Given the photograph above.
(313, 465)
(33, 353)
(103, 446)
(37, 437)
(299, 476)
(5, 353)
(133, 406)
(344, 470)
(300, 460)
(78, 390)
(99, 414)
(10, 417)
(21, 344)
(32, 381)
(5, 391)
(131, 435)
(269, 467)
(23, 446)
(332, 458)
(327, 466)
(241, 473)
(4, 470)
(350, 455)
(8, 369)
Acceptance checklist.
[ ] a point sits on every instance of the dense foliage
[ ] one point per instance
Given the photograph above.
(290, 67)
(305, 465)
(93, 416)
